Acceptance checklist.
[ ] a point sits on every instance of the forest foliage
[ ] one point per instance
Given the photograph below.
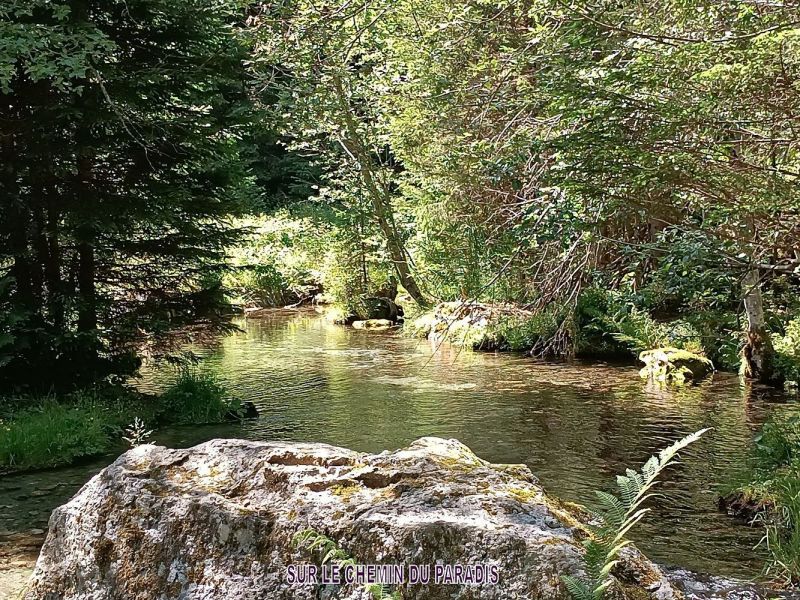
(536, 152)
(532, 152)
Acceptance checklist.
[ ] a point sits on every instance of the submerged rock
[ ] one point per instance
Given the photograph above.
(247, 410)
(374, 324)
(382, 308)
(219, 521)
(674, 365)
(372, 309)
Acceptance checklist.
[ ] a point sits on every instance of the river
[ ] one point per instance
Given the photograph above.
(576, 425)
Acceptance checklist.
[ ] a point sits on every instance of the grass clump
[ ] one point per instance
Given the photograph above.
(52, 433)
(39, 432)
(196, 398)
(521, 333)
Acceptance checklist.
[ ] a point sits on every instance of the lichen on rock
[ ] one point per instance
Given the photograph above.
(218, 520)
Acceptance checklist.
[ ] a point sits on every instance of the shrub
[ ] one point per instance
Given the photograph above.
(196, 398)
(634, 329)
(607, 320)
(787, 350)
(259, 285)
(524, 333)
(639, 331)
(721, 336)
(276, 264)
(612, 322)
(594, 324)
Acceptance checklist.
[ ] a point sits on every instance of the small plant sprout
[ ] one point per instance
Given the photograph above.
(137, 434)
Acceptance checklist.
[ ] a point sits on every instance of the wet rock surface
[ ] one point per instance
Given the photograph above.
(695, 586)
(468, 324)
(18, 553)
(374, 324)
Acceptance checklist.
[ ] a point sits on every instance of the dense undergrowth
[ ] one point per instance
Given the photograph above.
(605, 324)
(48, 431)
(291, 257)
(295, 254)
(769, 495)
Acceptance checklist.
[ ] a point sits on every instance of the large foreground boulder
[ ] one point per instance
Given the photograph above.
(220, 521)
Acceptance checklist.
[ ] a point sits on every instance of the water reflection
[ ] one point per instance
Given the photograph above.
(575, 425)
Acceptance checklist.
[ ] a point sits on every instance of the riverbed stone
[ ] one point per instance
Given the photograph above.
(674, 365)
(221, 521)
(374, 324)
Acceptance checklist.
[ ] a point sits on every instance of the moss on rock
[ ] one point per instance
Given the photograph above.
(673, 365)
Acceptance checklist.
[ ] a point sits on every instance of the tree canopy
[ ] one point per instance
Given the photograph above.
(526, 152)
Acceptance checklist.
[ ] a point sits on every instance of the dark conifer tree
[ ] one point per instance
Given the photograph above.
(121, 127)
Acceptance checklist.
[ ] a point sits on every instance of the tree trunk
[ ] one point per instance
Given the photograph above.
(52, 269)
(87, 311)
(396, 249)
(379, 198)
(15, 218)
(758, 353)
(86, 199)
(38, 240)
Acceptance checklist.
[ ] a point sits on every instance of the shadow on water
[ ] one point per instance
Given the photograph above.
(576, 425)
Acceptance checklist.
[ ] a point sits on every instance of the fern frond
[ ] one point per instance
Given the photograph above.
(668, 453)
(612, 510)
(301, 537)
(380, 591)
(578, 589)
(617, 515)
(313, 540)
(600, 590)
(334, 554)
(629, 523)
(606, 570)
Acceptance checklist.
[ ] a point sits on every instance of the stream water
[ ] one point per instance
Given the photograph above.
(576, 425)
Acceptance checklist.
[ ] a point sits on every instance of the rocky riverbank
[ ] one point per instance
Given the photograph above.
(470, 324)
